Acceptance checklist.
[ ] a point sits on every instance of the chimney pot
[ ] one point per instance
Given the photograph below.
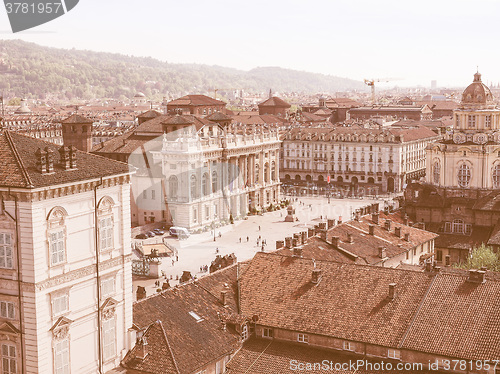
(371, 229)
(335, 241)
(392, 291)
(223, 297)
(316, 276)
(407, 236)
(375, 218)
(397, 231)
(381, 252)
(388, 223)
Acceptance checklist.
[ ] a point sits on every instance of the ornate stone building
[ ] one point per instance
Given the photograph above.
(459, 198)
(377, 159)
(65, 270)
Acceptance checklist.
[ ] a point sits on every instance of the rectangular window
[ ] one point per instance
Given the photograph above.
(207, 212)
(9, 359)
(61, 357)
(195, 215)
(6, 251)
(108, 329)
(394, 353)
(447, 227)
(267, 333)
(56, 245)
(106, 233)
(303, 338)
(487, 121)
(145, 194)
(7, 310)
(153, 194)
(472, 121)
(439, 255)
(348, 346)
(107, 287)
(59, 304)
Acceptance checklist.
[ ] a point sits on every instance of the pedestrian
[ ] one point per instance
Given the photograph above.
(177, 258)
(220, 235)
(172, 262)
(217, 250)
(247, 239)
(240, 240)
(259, 227)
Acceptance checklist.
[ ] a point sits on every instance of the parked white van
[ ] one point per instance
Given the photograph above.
(180, 232)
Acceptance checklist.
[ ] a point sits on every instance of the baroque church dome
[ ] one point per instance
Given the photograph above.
(477, 92)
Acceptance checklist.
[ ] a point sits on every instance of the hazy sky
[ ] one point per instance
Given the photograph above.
(416, 41)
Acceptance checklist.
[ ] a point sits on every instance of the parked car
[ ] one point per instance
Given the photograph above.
(150, 234)
(180, 232)
(158, 232)
(141, 236)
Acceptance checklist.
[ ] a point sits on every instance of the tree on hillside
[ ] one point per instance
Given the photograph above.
(482, 256)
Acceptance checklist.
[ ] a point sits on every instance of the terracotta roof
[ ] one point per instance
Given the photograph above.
(218, 116)
(192, 343)
(19, 168)
(264, 356)
(196, 100)
(458, 319)
(278, 289)
(276, 102)
(76, 118)
(149, 114)
(478, 236)
(256, 119)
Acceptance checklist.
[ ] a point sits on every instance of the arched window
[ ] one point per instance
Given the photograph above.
(214, 182)
(464, 175)
(257, 173)
(205, 184)
(173, 185)
(56, 232)
(106, 224)
(496, 176)
(273, 171)
(194, 187)
(266, 172)
(437, 172)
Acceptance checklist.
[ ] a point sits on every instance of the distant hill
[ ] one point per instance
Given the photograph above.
(27, 69)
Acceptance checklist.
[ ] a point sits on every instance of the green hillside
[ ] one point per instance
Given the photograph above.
(30, 70)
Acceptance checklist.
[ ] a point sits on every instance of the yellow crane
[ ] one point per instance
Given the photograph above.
(371, 83)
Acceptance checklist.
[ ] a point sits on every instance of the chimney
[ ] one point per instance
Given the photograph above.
(381, 252)
(428, 266)
(330, 223)
(50, 160)
(322, 225)
(41, 161)
(477, 276)
(407, 236)
(72, 156)
(295, 242)
(357, 214)
(288, 242)
(349, 238)
(223, 297)
(388, 223)
(280, 244)
(316, 276)
(392, 291)
(322, 235)
(310, 232)
(141, 292)
(304, 236)
(375, 218)
(297, 252)
(447, 260)
(298, 237)
(64, 157)
(371, 229)
(335, 241)
(397, 231)
(141, 348)
(339, 221)
(405, 220)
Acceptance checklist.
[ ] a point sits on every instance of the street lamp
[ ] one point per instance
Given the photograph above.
(213, 226)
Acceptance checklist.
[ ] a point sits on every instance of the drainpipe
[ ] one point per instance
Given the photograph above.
(19, 281)
(96, 242)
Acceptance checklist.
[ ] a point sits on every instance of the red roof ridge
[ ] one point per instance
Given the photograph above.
(169, 347)
(25, 174)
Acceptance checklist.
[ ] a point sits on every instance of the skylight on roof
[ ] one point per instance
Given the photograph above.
(196, 316)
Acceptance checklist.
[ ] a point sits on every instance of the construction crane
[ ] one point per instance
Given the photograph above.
(371, 83)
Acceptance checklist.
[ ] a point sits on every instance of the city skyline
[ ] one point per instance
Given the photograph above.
(443, 41)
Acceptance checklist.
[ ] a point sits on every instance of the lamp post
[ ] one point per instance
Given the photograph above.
(213, 226)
